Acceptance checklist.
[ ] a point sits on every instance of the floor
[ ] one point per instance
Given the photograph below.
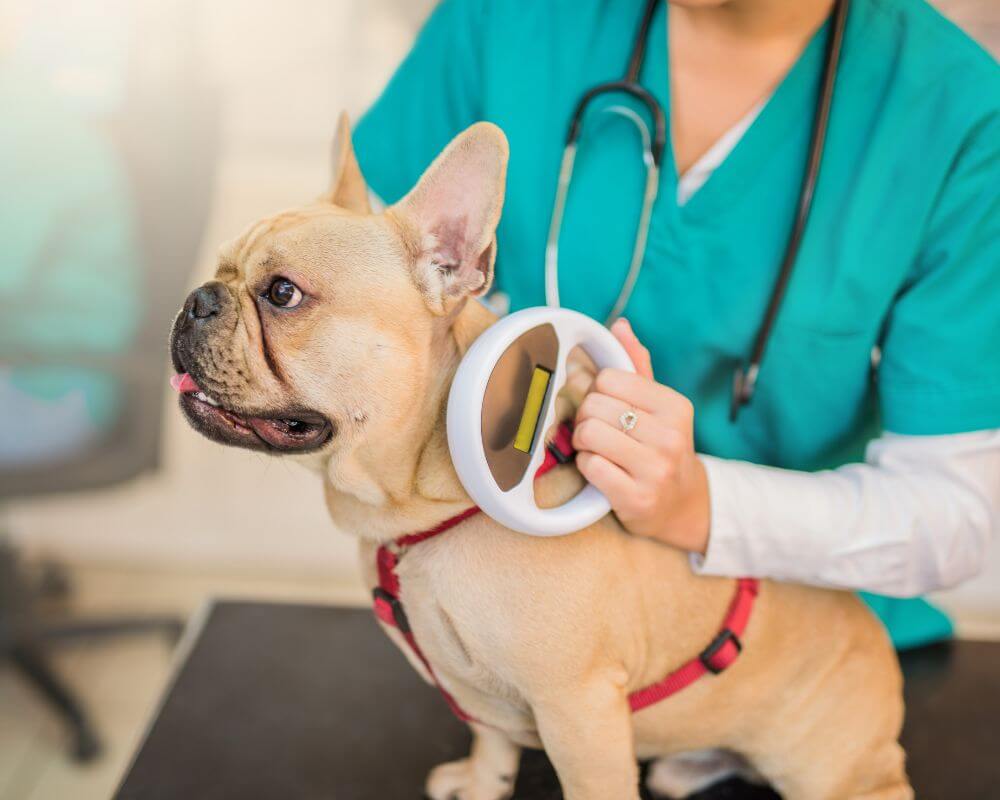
(120, 682)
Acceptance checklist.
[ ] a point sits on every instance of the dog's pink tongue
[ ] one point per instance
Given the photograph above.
(184, 383)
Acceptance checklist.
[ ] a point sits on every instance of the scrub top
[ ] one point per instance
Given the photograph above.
(902, 251)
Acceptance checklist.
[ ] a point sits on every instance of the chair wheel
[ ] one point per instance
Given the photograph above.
(53, 582)
(86, 746)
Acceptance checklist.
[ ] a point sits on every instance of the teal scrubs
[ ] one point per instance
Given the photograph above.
(902, 251)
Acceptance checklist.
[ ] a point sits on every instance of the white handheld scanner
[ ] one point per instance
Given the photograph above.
(502, 402)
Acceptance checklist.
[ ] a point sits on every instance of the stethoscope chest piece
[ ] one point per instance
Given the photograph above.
(502, 402)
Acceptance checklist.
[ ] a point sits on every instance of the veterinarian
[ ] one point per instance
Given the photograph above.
(869, 455)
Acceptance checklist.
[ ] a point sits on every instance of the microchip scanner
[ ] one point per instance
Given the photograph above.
(502, 401)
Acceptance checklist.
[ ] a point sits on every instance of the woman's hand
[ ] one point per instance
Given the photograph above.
(656, 484)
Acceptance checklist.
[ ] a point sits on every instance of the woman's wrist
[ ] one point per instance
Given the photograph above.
(687, 525)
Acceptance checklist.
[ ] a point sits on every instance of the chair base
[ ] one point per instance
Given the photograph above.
(25, 641)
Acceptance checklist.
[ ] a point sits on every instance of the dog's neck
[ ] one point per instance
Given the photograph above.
(383, 489)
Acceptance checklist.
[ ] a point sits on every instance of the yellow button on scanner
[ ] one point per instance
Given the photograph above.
(532, 409)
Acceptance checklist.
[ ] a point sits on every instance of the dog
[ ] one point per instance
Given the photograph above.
(330, 335)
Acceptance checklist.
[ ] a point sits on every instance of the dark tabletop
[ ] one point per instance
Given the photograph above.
(291, 702)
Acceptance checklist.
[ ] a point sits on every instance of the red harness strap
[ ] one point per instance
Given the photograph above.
(721, 652)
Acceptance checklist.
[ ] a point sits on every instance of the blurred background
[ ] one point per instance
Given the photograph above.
(137, 135)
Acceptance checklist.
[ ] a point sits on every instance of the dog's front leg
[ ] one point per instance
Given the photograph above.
(587, 733)
(487, 774)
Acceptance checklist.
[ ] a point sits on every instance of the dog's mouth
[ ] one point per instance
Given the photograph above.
(295, 432)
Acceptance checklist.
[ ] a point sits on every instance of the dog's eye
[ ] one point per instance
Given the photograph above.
(282, 292)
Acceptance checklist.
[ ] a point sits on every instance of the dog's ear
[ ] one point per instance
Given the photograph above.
(348, 189)
(454, 210)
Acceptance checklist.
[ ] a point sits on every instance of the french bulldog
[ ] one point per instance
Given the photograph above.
(330, 334)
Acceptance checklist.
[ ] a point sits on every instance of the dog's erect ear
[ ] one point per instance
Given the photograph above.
(455, 209)
(348, 189)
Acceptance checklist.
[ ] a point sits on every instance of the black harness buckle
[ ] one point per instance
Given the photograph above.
(706, 656)
(398, 614)
(559, 455)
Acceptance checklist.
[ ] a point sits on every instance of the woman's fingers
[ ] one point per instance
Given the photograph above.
(612, 481)
(610, 409)
(594, 435)
(645, 394)
(649, 430)
(639, 389)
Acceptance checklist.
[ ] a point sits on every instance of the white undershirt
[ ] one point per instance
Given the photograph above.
(699, 172)
(917, 516)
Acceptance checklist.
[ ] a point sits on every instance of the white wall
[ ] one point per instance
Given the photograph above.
(284, 71)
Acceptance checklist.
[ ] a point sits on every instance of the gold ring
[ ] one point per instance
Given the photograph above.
(628, 420)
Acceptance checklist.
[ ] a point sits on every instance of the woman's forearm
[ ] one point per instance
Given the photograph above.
(917, 516)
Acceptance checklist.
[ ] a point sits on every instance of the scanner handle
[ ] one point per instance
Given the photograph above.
(517, 508)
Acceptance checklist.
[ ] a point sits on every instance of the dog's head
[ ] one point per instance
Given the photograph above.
(323, 324)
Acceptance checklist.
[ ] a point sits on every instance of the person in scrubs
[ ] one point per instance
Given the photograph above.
(869, 457)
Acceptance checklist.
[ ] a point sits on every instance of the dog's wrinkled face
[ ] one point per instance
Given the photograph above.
(321, 322)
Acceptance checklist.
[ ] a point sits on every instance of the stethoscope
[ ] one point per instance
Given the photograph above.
(745, 375)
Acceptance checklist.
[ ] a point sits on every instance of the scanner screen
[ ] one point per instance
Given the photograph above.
(533, 403)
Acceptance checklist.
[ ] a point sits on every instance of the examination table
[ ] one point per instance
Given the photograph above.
(296, 702)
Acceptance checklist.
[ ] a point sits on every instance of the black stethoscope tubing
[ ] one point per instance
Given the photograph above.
(629, 85)
(745, 375)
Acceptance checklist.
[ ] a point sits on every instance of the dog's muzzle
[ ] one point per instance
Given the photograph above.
(209, 408)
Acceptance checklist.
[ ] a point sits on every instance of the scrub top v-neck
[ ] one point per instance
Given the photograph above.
(902, 251)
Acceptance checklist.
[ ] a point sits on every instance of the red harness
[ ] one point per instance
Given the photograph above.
(721, 652)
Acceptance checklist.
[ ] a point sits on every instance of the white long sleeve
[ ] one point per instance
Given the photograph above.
(917, 516)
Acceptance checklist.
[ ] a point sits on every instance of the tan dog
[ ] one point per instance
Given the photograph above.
(332, 333)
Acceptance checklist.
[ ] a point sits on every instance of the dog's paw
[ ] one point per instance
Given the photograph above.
(458, 780)
(684, 774)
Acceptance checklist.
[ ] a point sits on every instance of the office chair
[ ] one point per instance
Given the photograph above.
(168, 136)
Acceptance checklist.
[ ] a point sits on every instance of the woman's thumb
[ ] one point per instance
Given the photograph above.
(623, 332)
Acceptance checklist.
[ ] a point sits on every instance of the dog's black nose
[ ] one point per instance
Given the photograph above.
(205, 301)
